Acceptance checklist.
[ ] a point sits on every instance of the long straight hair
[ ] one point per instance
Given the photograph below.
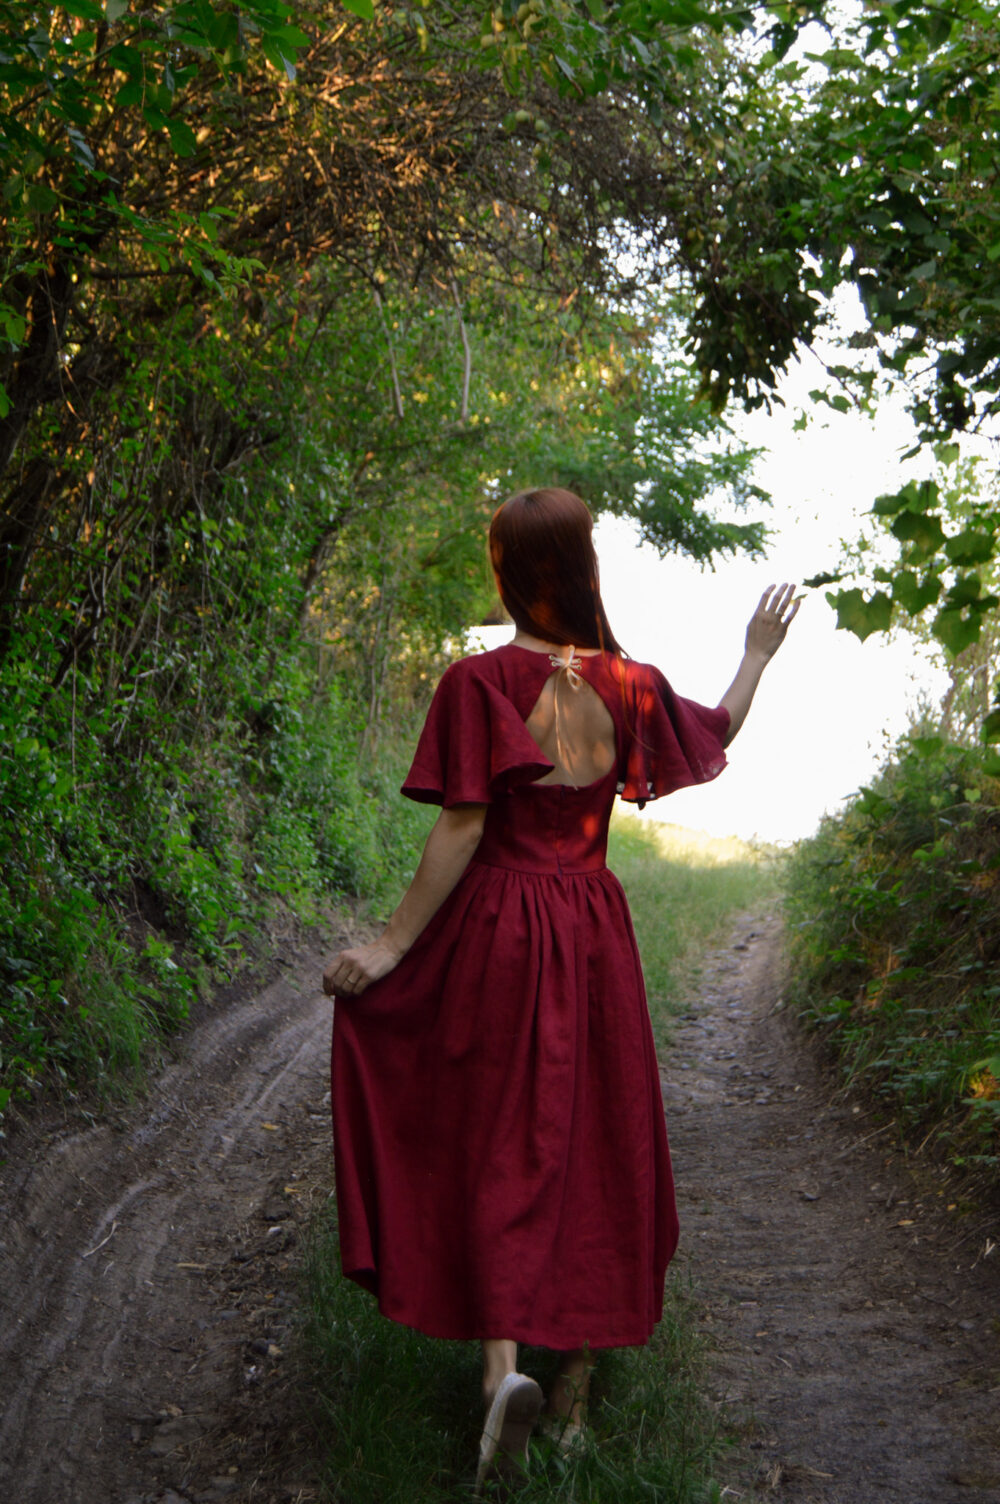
(542, 552)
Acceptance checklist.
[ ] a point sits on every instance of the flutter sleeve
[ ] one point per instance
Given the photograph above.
(671, 742)
(474, 745)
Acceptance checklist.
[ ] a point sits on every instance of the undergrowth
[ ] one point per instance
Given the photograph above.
(141, 868)
(894, 912)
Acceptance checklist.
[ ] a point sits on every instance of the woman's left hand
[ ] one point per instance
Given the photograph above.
(771, 620)
(352, 971)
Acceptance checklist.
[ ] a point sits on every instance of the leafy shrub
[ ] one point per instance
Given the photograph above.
(136, 866)
(895, 925)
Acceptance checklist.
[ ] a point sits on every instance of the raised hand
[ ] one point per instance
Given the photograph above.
(776, 610)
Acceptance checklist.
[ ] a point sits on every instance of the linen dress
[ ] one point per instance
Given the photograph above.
(501, 1157)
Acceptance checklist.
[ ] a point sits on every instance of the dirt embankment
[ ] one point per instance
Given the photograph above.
(148, 1270)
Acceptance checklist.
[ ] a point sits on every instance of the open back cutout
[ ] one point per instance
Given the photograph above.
(573, 727)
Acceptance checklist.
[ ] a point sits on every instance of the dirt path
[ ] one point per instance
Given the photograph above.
(147, 1271)
(147, 1277)
(852, 1320)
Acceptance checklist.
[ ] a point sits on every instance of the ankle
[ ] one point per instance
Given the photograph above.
(499, 1360)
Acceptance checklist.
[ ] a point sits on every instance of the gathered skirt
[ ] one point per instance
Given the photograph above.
(501, 1155)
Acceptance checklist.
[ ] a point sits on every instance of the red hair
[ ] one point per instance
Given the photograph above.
(542, 552)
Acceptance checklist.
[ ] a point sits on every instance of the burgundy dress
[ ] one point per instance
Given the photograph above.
(501, 1155)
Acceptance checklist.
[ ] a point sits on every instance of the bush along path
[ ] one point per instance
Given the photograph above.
(149, 1272)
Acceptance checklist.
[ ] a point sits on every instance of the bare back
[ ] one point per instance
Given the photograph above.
(573, 727)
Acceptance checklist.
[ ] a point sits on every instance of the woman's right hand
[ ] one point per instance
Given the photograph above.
(352, 971)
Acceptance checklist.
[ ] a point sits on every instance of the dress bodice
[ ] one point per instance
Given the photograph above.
(549, 827)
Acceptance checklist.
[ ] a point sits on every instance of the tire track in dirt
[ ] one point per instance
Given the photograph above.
(852, 1322)
(135, 1261)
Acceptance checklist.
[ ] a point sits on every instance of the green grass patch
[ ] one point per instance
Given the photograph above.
(683, 887)
(400, 1414)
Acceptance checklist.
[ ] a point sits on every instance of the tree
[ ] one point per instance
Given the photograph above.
(872, 164)
(218, 224)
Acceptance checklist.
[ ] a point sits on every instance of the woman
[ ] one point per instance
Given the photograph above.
(501, 1155)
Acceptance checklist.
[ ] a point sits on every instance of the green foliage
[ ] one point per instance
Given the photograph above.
(895, 925)
(942, 580)
(129, 885)
(872, 164)
(655, 1435)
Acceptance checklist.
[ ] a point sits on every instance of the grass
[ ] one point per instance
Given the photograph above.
(683, 886)
(399, 1413)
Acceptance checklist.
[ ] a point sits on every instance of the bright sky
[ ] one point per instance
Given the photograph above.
(829, 706)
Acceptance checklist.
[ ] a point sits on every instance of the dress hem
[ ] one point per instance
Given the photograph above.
(528, 1336)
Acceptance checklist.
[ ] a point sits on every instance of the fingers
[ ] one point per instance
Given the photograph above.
(784, 600)
(345, 976)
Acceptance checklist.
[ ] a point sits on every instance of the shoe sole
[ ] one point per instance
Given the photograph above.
(507, 1447)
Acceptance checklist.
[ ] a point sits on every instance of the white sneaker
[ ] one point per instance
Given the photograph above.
(503, 1450)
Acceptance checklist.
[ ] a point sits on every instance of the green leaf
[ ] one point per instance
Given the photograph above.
(291, 37)
(363, 8)
(954, 630)
(182, 137)
(277, 59)
(923, 532)
(82, 153)
(989, 731)
(913, 594)
(926, 746)
(889, 505)
(40, 199)
(965, 591)
(991, 1064)
(973, 546)
(115, 9)
(860, 616)
(130, 93)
